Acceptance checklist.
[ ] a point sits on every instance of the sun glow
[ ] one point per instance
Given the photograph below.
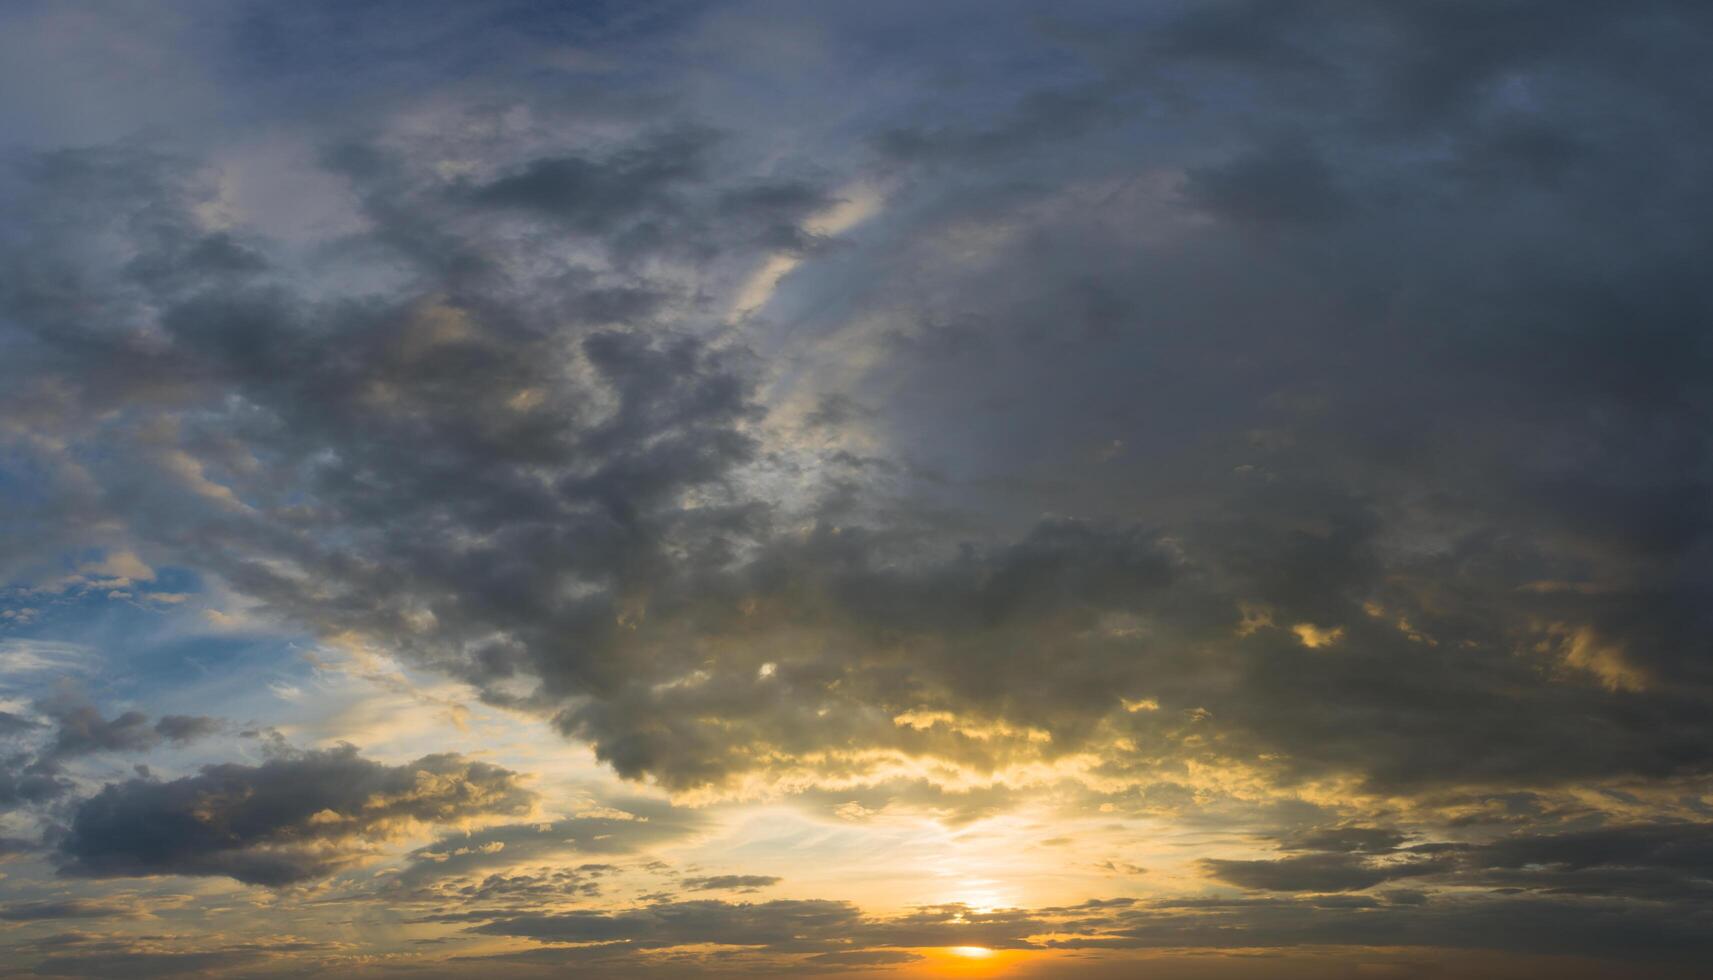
(972, 952)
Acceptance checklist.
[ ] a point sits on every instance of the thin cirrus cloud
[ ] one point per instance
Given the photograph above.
(648, 488)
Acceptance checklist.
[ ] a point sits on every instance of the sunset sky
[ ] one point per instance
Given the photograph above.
(1162, 488)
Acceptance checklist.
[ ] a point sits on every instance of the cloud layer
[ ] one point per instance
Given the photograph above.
(1266, 443)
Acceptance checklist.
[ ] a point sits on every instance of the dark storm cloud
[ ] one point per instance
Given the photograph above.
(594, 196)
(1036, 120)
(287, 820)
(1333, 379)
(1373, 409)
(1276, 185)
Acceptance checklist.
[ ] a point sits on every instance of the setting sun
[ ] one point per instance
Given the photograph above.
(972, 952)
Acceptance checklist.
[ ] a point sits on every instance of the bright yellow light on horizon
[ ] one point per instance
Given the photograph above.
(973, 952)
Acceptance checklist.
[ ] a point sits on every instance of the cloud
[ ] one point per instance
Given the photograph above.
(781, 926)
(1663, 862)
(1316, 872)
(71, 908)
(37, 776)
(731, 883)
(785, 923)
(1278, 185)
(795, 931)
(861, 958)
(595, 196)
(287, 820)
(516, 456)
(24, 781)
(143, 958)
(1349, 839)
(81, 729)
(459, 860)
(186, 728)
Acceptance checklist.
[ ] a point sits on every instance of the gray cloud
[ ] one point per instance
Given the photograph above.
(186, 728)
(623, 826)
(593, 197)
(1660, 862)
(730, 883)
(37, 776)
(22, 782)
(1316, 872)
(71, 908)
(287, 820)
(80, 728)
(781, 926)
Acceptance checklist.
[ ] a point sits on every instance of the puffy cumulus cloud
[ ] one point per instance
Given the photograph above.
(287, 820)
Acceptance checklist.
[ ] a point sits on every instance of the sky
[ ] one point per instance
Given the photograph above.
(1204, 489)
